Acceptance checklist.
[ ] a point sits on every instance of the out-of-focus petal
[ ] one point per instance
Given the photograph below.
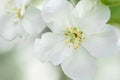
(32, 21)
(7, 27)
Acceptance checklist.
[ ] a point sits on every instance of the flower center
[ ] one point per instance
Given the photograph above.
(13, 9)
(73, 37)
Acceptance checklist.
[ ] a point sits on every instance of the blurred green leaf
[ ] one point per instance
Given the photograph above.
(74, 2)
(35, 2)
(111, 2)
(10, 69)
(115, 15)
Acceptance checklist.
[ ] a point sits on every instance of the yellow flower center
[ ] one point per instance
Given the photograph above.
(73, 37)
(13, 9)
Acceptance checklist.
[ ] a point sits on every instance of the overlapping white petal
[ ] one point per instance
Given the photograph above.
(51, 48)
(55, 13)
(32, 21)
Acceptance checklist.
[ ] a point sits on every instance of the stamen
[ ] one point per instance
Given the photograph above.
(12, 9)
(74, 36)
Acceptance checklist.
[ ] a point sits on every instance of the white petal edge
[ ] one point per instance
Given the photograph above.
(80, 65)
(7, 27)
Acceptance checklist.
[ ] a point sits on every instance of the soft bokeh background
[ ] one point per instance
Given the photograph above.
(20, 62)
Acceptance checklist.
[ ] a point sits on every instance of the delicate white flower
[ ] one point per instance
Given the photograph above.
(77, 35)
(17, 17)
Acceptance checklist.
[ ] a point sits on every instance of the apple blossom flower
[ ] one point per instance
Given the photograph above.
(18, 18)
(79, 34)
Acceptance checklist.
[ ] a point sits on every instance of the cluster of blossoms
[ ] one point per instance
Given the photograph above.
(78, 34)
(17, 18)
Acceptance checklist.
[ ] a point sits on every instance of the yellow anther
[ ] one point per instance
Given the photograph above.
(11, 8)
(18, 13)
(74, 36)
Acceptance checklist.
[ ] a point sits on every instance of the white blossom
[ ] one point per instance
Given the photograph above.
(18, 17)
(78, 36)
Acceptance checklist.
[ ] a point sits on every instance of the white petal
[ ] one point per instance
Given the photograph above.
(93, 15)
(80, 65)
(7, 27)
(102, 44)
(33, 22)
(21, 2)
(118, 34)
(51, 48)
(63, 54)
(55, 13)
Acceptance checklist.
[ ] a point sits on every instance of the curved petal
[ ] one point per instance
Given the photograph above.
(80, 65)
(102, 44)
(20, 2)
(93, 15)
(7, 27)
(51, 48)
(32, 21)
(55, 13)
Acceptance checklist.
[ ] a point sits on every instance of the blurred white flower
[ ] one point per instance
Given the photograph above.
(77, 35)
(17, 17)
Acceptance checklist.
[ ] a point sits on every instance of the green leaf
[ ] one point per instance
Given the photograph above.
(111, 2)
(115, 15)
